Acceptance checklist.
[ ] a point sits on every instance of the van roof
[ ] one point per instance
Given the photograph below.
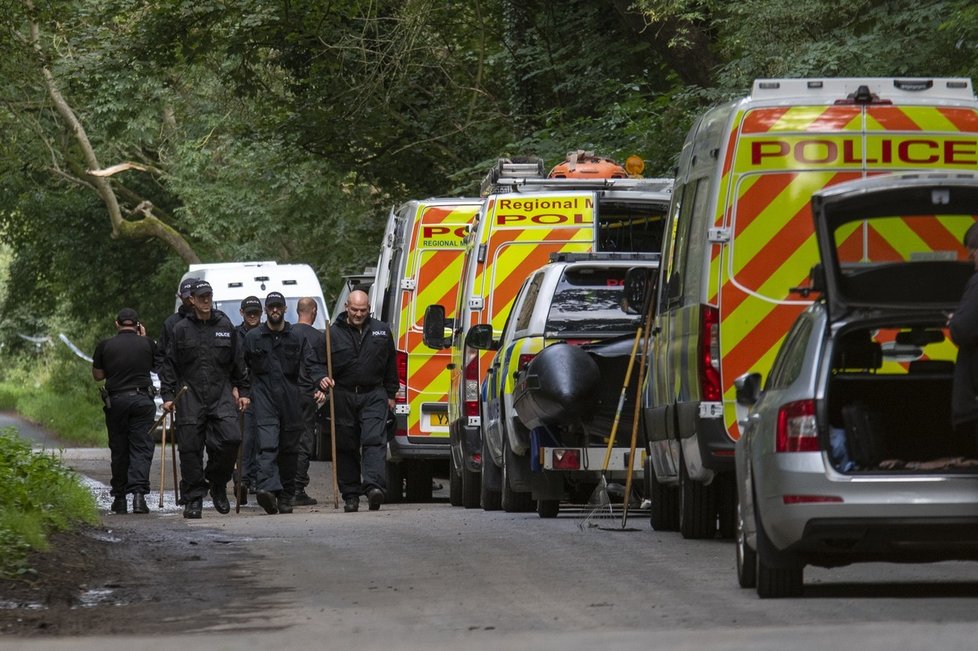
(908, 89)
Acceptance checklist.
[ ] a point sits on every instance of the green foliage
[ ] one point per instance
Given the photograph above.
(54, 389)
(40, 496)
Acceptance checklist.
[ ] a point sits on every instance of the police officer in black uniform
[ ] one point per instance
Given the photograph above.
(364, 385)
(166, 332)
(307, 310)
(203, 354)
(275, 355)
(124, 362)
(250, 311)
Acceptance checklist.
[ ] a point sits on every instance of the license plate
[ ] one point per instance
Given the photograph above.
(434, 421)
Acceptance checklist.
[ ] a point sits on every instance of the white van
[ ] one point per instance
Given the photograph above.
(234, 281)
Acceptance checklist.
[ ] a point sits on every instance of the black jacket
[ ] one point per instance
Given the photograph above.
(206, 356)
(166, 333)
(964, 333)
(277, 368)
(364, 358)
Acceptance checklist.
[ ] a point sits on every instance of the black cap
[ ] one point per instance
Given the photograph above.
(201, 287)
(251, 304)
(186, 287)
(274, 298)
(127, 317)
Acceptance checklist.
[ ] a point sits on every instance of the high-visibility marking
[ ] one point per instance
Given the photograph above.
(891, 119)
(963, 120)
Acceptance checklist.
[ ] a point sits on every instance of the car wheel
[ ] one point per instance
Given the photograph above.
(395, 483)
(697, 506)
(491, 499)
(472, 488)
(418, 484)
(746, 557)
(513, 501)
(454, 485)
(664, 502)
(548, 508)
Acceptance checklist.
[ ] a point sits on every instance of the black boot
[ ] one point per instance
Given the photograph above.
(139, 503)
(119, 505)
(375, 497)
(267, 501)
(284, 503)
(194, 508)
(219, 494)
(351, 504)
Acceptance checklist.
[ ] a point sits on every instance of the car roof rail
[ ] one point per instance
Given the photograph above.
(606, 256)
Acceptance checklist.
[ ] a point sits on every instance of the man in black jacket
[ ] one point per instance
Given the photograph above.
(964, 332)
(307, 310)
(275, 355)
(204, 355)
(124, 362)
(250, 311)
(364, 385)
(166, 332)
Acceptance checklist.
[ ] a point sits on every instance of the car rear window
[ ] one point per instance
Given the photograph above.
(588, 300)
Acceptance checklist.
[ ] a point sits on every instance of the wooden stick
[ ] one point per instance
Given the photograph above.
(239, 486)
(332, 419)
(162, 460)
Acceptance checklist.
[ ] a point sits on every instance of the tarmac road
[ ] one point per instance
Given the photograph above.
(429, 576)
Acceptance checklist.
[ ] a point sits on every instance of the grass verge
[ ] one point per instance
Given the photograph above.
(39, 496)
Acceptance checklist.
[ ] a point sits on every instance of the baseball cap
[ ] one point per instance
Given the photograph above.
(186, 287)
(251, 304)
(274, 298)
(127, 317)
(202, 287)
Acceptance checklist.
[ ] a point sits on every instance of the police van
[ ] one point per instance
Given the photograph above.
(234, 281)
(741, 243)
(526, 217)
(420, 263)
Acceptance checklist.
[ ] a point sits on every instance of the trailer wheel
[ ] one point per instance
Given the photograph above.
(548, 508)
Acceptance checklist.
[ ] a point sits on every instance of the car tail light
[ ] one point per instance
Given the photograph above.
(796, 428)
(710, 354)
(472, 387)
(566, 459)
(402, 364)
(523, 360)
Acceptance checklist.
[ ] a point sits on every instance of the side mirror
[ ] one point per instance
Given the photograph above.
(637, 289)
(480, 337)
(433, 328)
(748, 388)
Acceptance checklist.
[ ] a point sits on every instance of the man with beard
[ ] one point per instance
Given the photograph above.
(203, 354)
(364, 384)
(250, 312)
(275, 355)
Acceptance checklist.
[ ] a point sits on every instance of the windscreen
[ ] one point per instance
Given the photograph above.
(233, 310)
(588, 300)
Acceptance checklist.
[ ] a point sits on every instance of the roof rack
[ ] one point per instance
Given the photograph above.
(908, 88)
(607, 256)
(510, 170)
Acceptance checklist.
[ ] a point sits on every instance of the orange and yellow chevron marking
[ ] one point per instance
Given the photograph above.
(515, 262)
(435, 257)
(798, 151)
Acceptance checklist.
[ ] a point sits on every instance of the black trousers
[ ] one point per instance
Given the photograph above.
(308, 405)
(220, 436)
(130, 442)
(361, 441)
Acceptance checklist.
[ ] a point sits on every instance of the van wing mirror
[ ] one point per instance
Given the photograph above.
(480, 337)
(637, 289)
(433, 328)
(748, 388)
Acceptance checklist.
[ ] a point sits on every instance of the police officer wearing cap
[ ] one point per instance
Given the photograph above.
(203, 354)
(124, 362)
(183, 293)
(364, 384)
(275, 355)
(250, 312)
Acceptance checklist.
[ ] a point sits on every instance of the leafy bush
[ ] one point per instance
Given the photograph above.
(40, 496)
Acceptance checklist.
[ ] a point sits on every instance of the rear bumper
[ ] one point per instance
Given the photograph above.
(404, 447)
(837, 541)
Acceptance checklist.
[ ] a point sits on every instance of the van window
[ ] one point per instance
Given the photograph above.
(674, 288)
(526, 310)
(589, 299)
